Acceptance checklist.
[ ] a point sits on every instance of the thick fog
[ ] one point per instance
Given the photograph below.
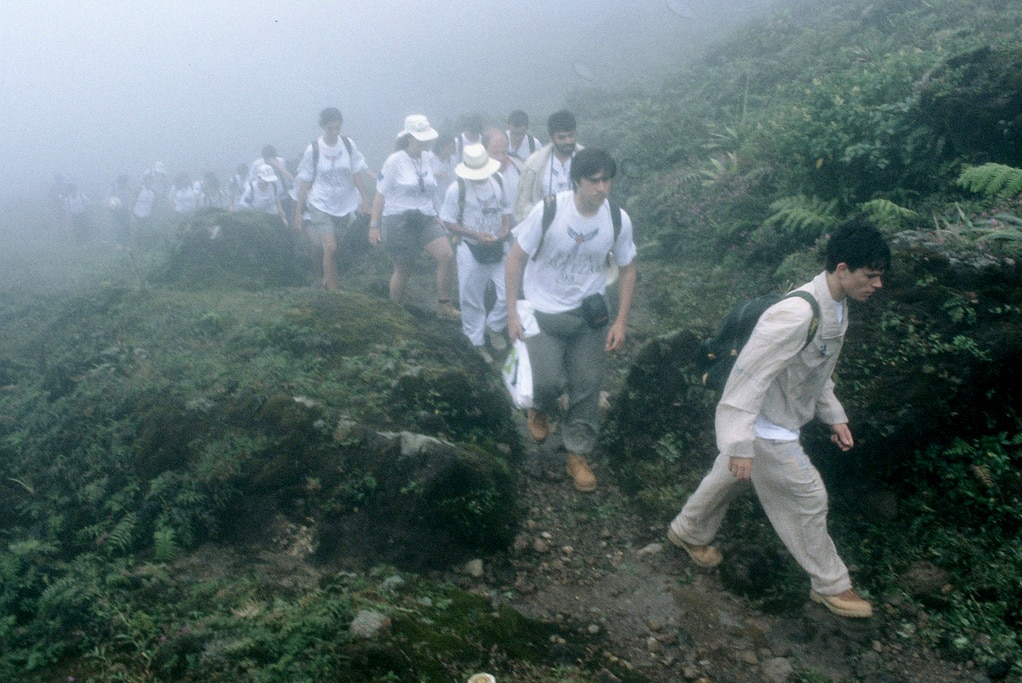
(94, 89)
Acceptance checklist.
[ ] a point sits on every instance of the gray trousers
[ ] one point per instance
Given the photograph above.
(569, 354)
(794, 498)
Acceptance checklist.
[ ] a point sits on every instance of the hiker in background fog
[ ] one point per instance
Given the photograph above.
(119, 204)
(477, 209)
(521, 143)
(777, 385)
(444, 159)
(404, 217)
(142, 206)
(76, 206)
(270, 158)
(548, 171)
(184, 197)
(510, 168)
(333, 182)
(213, 196)
(471, 134)
(262, 195)
(236, 186)
(561, 264)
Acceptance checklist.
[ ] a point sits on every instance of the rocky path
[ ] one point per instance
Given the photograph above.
(585, 559)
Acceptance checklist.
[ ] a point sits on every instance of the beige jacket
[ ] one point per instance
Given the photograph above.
(774, 377)
(530, 185)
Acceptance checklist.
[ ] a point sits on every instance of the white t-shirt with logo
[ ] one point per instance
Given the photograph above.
(333, 189)
(572, 261)
(485, 206)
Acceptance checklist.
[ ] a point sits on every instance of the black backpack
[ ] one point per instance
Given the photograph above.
(717, 355)
(550, 211)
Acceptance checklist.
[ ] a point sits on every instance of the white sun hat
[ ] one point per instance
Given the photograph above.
(476, 164)
(418, 127)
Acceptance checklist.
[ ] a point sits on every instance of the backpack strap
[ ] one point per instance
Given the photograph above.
(814, 324)
(315, 160)
(347, 146)
(461, 201)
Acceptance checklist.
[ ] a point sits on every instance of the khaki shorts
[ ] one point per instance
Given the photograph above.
(406, 234)
(322, 223)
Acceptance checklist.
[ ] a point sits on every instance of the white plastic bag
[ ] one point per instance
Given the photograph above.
(517, 373)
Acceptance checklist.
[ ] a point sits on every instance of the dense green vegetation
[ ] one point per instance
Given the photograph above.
(144, 418)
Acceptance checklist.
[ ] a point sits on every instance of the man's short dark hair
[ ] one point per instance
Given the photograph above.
(473, 124)
(329, 115)
(517, 118)
(562, 121)
(269, 151)
(857, 244)
(590, 161)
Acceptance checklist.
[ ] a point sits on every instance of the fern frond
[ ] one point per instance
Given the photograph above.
(886, 213)
(164, 544)
(992, 180)
(803, 216)
(122, 536)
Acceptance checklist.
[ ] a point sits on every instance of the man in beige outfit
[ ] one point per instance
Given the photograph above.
(778, 384)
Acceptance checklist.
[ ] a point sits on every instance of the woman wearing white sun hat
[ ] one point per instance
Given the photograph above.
(404, 217)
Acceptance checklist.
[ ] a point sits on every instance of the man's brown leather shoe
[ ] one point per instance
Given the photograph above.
(705, 556)
(581, 475)
(539, 427)
(846, 604)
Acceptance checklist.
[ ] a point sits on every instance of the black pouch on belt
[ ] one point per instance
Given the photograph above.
(594, 311)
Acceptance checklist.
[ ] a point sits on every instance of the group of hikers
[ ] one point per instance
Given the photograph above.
(540, 229)
(530, 235)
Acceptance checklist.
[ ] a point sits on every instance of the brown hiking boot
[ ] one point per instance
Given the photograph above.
(539, 427)
(705, 556)
(581, 475)
(846, 604)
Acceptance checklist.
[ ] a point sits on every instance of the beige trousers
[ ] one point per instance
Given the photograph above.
(793, 495)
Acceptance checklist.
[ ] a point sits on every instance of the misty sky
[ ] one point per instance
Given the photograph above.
(93, 88)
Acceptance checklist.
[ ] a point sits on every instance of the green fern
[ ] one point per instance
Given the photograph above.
(992, 180)
(887, 214)
(803, 217)
(164, 544)
(122, 536)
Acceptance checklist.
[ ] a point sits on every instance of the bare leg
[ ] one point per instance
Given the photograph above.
(398, 280)
(329, 261)
(440, 250)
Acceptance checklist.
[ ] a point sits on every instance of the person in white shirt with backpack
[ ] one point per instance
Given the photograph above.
(333, 183)
(477, 209)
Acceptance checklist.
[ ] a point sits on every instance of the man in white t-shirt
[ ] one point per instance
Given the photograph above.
(562, 271)
(476, 208)
(521, 143)
(334, 182)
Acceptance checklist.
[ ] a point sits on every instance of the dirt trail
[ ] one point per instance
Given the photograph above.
(586, 558)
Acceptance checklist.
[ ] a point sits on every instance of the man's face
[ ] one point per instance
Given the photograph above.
(497, 149)
(859, 284)
(592, 191)
(564, 143)
(517, 132)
